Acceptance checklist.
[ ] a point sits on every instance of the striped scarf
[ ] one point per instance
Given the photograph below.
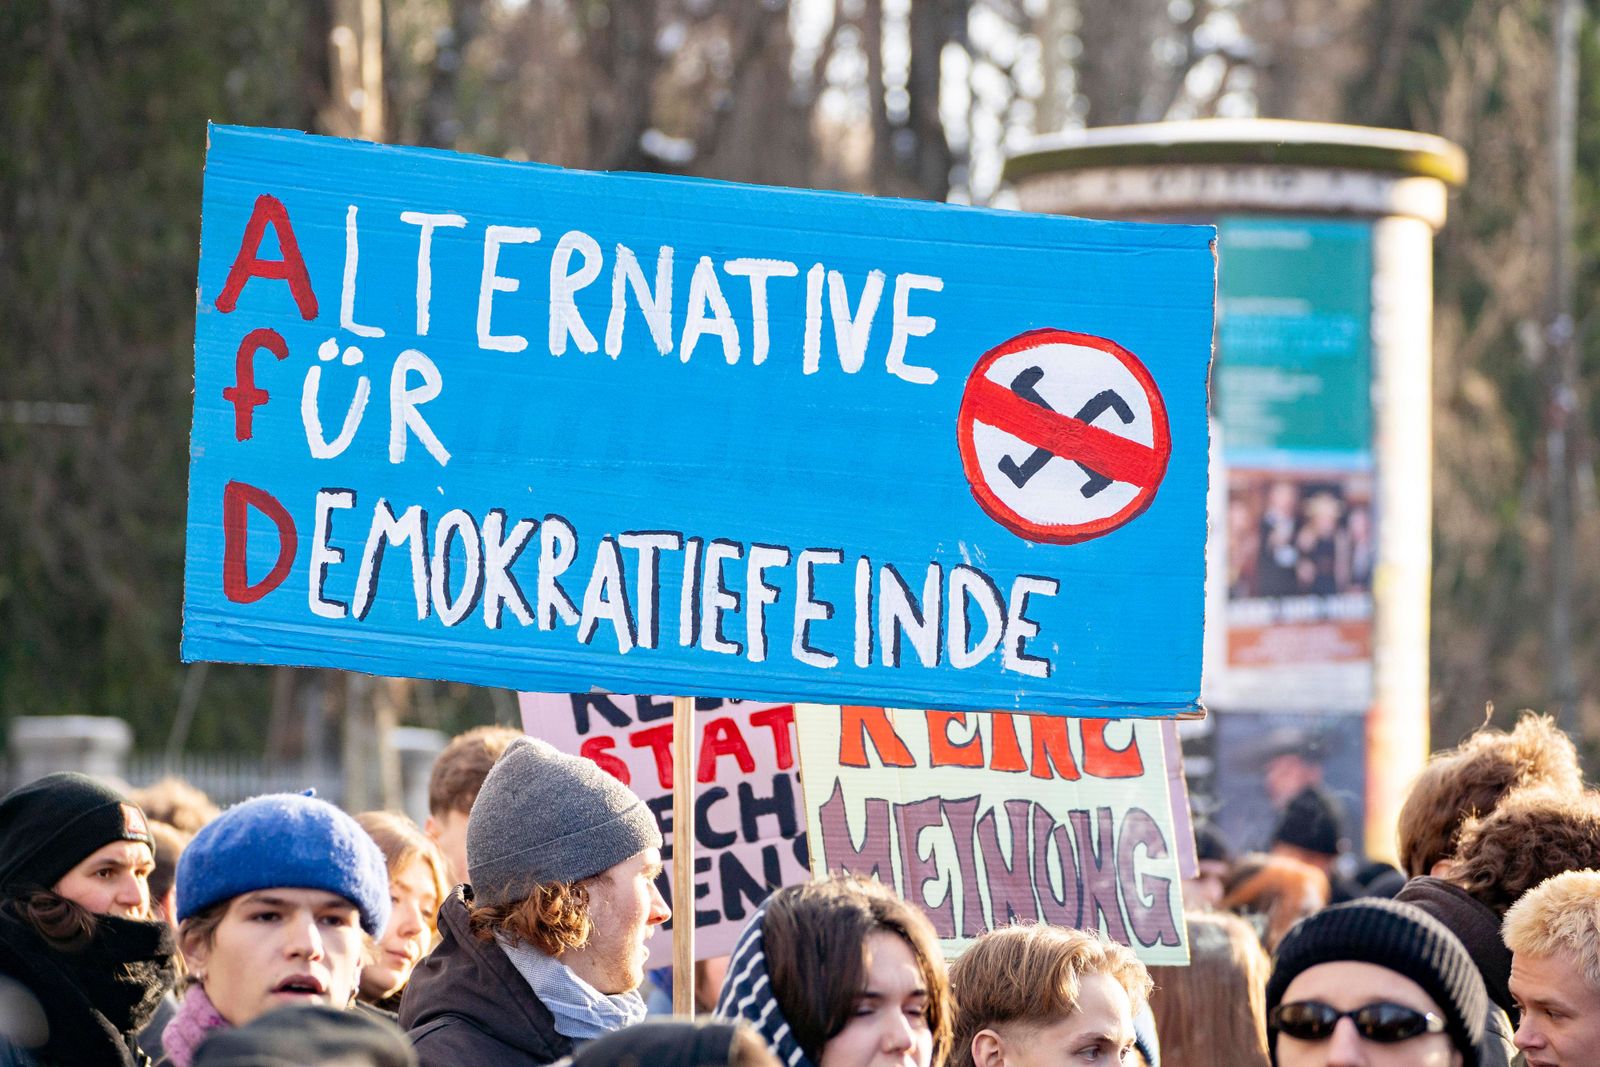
(747, 995)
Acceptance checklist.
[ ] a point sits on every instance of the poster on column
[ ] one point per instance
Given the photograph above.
(984, 819)
(1293, 384)
(513, 425)
(749, 824)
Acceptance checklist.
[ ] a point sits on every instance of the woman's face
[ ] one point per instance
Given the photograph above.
(112, 880)
(414, 900)
(279, 947)
(1347, 986)
(889, 1024)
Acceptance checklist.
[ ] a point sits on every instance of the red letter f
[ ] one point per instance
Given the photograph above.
(243, 394)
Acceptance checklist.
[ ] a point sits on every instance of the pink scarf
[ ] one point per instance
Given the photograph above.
(196, 1018)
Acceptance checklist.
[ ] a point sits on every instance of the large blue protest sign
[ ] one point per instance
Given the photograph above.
(514, 425)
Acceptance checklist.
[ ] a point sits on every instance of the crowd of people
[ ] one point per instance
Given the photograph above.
(511, 929)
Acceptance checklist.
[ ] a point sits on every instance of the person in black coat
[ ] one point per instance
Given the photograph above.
(75, 920)
(546, 949)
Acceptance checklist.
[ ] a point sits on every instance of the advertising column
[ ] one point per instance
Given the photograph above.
(1316, 669)
(1291, 394)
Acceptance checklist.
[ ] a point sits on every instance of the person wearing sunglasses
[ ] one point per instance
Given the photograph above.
(1375, 983)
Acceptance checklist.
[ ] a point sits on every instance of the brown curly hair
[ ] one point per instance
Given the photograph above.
(1472, 778)
(1534, 834)
(553, 918)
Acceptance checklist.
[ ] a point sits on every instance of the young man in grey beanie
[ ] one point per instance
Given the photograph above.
(545, 949)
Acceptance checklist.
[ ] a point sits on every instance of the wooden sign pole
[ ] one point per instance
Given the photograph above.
(683, 795)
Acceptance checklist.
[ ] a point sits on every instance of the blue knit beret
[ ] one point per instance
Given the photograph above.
(284, 841)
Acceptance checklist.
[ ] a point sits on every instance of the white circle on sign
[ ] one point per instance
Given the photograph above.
(1063, 436)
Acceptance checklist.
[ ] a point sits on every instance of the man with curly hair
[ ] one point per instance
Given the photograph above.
(545, 948)
(1470, 780)
(1533, 835)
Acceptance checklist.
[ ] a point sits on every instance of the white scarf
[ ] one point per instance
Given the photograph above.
(581, 1011)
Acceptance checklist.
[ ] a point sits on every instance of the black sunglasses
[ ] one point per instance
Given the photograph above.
(1312, 1020)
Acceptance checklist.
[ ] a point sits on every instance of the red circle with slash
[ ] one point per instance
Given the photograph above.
(1106, 457)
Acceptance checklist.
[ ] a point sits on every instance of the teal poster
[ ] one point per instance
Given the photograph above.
(1294, 339)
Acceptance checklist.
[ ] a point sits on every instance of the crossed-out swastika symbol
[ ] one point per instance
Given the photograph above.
(1018, 394)
(1020, 474)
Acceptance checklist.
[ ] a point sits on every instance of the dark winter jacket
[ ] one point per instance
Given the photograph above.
(96, 999)
(466, 1003)
(1478, 927)
(1476, 924)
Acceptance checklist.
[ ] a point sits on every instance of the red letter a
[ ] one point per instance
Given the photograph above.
(291, 268)
(236, 497)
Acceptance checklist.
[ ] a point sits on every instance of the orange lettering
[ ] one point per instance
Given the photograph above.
(1051, 745)
(859, 722)
(944, 752)
(1100, 760)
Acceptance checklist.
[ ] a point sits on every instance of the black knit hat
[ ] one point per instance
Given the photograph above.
(1313, 820)
(661, 1043)
(49, 826)
(1401, 938)
(290, 1037)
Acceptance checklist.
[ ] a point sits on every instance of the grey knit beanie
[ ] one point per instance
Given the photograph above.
(544, 816)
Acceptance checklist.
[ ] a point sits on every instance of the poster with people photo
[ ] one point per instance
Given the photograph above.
(1300, 552)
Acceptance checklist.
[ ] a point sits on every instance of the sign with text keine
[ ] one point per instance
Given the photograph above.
(509, 424)
(983, 820)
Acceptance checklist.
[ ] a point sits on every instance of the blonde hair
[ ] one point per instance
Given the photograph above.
(1029, 975)
(1213, 1013)
(1559, 915)
(401, 841)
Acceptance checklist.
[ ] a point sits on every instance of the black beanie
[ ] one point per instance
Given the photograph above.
(290, 1037)
(49, 826)
(661, 1043)
(1400, 937)
(1312, 820)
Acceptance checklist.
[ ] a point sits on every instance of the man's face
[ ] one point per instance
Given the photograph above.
(113, 880)
(1346, 985)
(449, 832)
(624, 906)
(1560, 1010)
(1100, 1032)
(278, 948)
